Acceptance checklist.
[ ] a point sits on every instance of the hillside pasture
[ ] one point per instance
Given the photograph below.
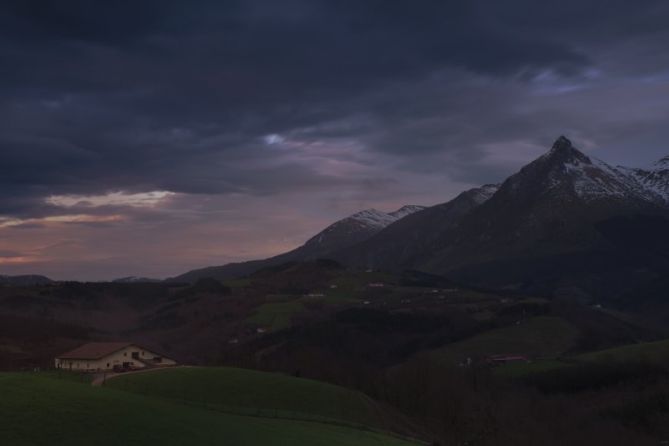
(250, 391)
(538, 336)
(40, 410)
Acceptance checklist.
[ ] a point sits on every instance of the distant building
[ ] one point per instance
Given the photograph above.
(105, 356)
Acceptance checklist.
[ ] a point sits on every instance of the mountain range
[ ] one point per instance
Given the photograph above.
(24, 280)
(565, 224)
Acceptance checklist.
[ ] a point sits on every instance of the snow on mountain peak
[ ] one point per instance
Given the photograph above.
(373, 218)
(406, 210)
(564, 168)
(378, 219)
(662, 164)
(360, 224)
(484, 193)
(655, 181)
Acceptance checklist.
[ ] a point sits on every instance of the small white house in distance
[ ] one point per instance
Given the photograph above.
(104, 356)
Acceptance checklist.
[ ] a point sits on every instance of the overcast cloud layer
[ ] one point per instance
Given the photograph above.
(149, 138)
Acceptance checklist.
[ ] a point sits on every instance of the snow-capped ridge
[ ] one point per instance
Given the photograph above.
(375, 218)
(483, 193)
(406, 210)
(564, 168)
(662, 163)
(654, 181)
(359, 226)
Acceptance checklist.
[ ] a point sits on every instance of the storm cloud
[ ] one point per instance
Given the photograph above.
(151, 137)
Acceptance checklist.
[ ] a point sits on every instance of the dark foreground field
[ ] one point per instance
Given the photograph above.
(47, 409)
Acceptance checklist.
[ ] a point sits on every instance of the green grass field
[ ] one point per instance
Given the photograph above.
(538, 336)
(43, 410)
(522, 369)
(354, 281)
(276, 315)
(648, 352)
(654, 352)
(252, 391)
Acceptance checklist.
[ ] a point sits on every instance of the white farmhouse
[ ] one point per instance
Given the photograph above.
(103, 356)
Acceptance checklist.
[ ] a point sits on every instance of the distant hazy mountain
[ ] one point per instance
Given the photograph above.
(135, 279)
(339, 235)
(26, 280)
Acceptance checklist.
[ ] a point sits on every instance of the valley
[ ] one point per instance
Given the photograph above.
(541, 295)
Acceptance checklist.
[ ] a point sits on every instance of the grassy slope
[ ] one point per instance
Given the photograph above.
(276, 315)
(37, 410)
(521, 369)
(232, 388)
(657, 352)
(649, 352)
(540, 336)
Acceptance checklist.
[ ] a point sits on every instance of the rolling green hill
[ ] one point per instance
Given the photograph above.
(251, 391)
(276, 315)
(652, 353)
(41, 410)
(537, 336)
(656, 352)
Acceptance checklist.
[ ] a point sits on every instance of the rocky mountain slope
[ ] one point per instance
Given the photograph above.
(654, 180)
(405, 242)
(564, 223)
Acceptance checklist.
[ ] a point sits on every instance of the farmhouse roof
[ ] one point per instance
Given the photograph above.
(95, 350)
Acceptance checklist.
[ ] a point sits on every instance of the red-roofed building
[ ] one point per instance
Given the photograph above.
(101, 356)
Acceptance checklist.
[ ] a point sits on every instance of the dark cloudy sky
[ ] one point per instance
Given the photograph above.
(149, 137)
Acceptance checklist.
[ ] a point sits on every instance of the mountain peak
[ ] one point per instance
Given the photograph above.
(562, 143)
(564, 152)
(568, 172)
